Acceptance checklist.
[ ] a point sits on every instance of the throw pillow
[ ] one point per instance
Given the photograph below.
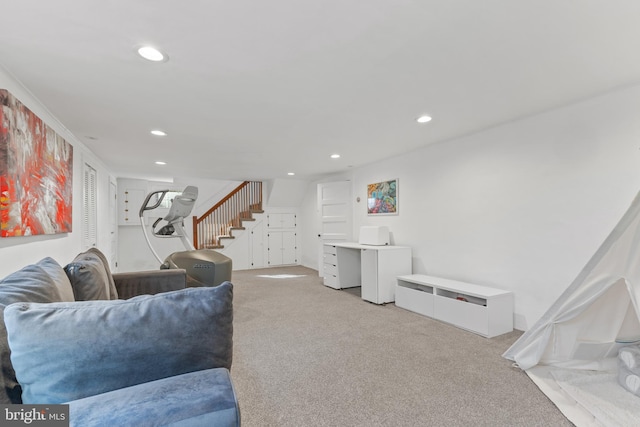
(89, 277)
(67, 351)
(42, 282)
(113, 293)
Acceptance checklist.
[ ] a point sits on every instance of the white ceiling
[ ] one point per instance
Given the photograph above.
(255, 89)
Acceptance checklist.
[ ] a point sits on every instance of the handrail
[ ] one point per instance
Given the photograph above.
(227, 214)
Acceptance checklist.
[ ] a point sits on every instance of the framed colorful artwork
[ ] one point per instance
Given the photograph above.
(382, 198)
(36, 172)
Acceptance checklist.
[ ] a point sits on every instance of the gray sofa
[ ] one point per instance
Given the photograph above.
(133, 349)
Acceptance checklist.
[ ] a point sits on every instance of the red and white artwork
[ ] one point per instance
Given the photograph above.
(36, 171)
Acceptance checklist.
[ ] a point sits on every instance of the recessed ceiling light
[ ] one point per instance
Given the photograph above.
(161, 163)
(291, 173)
(423, 119)
(335, 156)
(152, 54)
(158, 132)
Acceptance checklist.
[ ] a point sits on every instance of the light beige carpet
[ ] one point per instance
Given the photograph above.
(309, 355)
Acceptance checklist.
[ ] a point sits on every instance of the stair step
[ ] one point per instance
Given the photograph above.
(213, 246)
(238, 228)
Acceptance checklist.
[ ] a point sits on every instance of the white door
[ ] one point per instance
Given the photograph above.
(334, 208)
(113, 224)
(90, 208)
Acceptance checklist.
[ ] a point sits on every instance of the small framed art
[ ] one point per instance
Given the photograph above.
(382, 198)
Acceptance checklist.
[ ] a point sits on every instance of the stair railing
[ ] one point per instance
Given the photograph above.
(227, 215)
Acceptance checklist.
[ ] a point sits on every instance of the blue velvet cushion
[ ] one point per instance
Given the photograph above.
(90, 277)
(202, 398)
(67, 351)
(42, 282)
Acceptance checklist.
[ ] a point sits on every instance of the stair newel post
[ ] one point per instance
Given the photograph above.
(195, 232)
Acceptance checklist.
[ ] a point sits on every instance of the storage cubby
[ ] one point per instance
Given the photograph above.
(461, 297)
(415, 297)
(479, 309)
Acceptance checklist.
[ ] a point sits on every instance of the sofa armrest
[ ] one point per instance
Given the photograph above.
(149, 282)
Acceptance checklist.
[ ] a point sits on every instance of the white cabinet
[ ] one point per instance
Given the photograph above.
(341, 266)
(282, 239)
(281, 247)
(480, 309)
(374, 268)
(380, 267)
(281, 220)
(330, 266)
(131, 195)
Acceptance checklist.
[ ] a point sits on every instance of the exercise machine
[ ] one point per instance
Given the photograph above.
(205, 267)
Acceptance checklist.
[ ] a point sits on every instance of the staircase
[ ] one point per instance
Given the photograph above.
(217, 224)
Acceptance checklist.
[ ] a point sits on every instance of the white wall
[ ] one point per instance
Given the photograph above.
(16, 252)
(284, 192)
(522, 206)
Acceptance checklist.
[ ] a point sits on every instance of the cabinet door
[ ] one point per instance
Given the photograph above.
(281, 247)
(281, 220)
(256, 246)
(392, 262)
(274, 248)
(369, 275)
(131, 202)
(288, 220)
(289, 247)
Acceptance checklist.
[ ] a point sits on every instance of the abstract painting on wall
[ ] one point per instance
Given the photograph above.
(36, 171)
(382, 198)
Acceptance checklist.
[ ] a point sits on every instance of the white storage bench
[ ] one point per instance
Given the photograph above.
(480, 309)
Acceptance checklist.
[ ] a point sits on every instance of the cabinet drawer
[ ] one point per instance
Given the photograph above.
(331, 281)
(330, 249)
(330, 259)
(330, 270)
(416, 300)
(466, 315)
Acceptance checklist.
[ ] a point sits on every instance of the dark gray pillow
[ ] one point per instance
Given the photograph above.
(90, 278)
(42, 282)
(67, 351)
(113, 293)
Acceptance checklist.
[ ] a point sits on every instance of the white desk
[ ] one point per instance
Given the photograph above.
(374, 268)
